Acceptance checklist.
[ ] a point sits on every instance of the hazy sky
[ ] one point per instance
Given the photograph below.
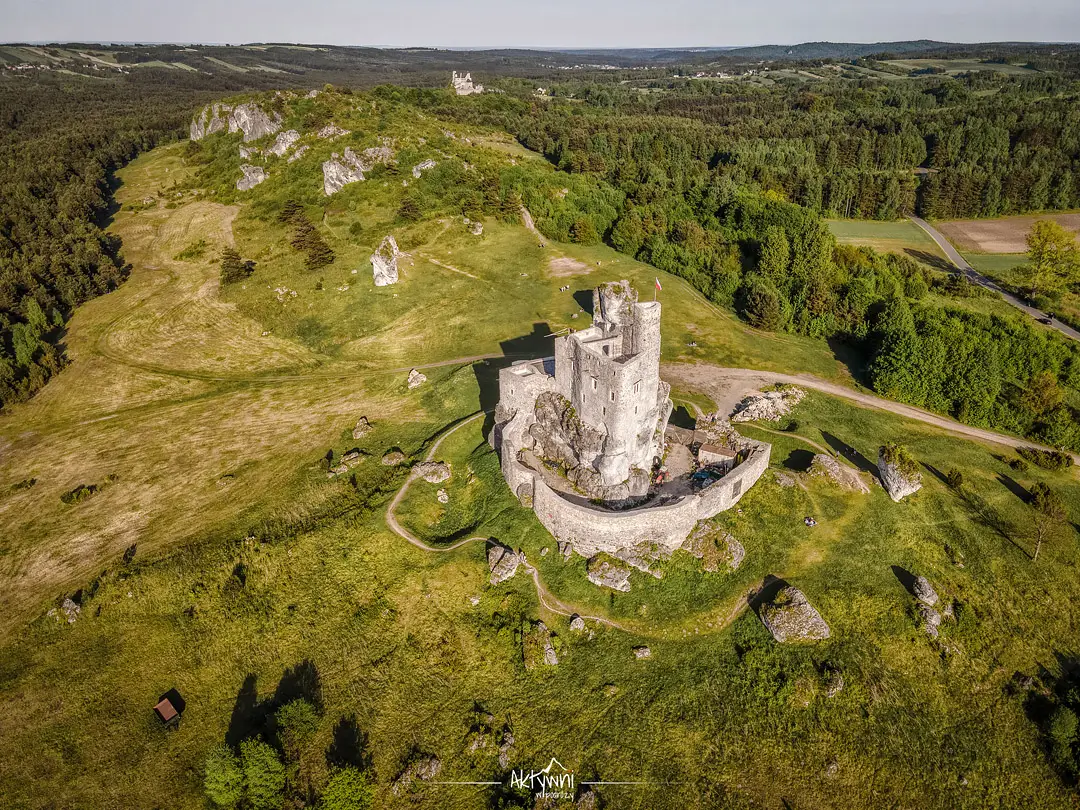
(553, 23)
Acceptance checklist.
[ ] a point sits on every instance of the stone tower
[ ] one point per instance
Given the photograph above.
(610, 372)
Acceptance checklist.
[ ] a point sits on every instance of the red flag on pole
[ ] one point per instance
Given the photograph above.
(658, 284)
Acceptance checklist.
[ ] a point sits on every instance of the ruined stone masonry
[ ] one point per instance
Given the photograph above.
(463, 84)
(598, 412)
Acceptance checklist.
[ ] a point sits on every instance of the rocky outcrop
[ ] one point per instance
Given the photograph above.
(608, 574)
(331, 131)
(434, 472)
(299, 153)
(899, 476)
(422, 768)
(209, 121)
(337, 175)
(253, 175)
(475, 228)
(374, 155)
(248, 152)
(253, 121)
(416, 379)
(362, 429)
(642, 653)
(422, 167)
(769, 406)
(69, 611)
(442, 496)
(791, 617)
(714, 547)
(284, 142)
(577, 624)
(823, 466)
(929, 619)
(384, 262)
(393, 458)
(503, 562)
(538, 647)
(924, 591)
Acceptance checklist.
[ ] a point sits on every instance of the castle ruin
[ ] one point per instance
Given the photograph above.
(583, 437)
(463, 84)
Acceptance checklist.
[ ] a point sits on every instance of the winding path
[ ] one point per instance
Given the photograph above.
(546, 598)
(976, 277)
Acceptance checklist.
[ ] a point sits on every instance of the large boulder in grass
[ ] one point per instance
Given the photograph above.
(924, 591)
(503, 562)
(421, 768)
(769, 406)
(608, 574)
(253, 175)
(434, 472)
(899, 472)
(283, 143)
(384, 262)
(789, 616)
(824, 466)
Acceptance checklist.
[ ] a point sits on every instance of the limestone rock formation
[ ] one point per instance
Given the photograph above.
(416, 379)
(374, 155)
(422, 768)
(714, 546)
(393, 458)
(924, 591)
(503, 562)
(384, 268)
(642, 653)
(442, 496)
(898, 478)
(362, 429)
(248, 152)
(253, 121)
(608, 574)
(331, 131)
(69, 609)
(253, 175)
(577, 624)
(475, 228)
(337, 175)
(209, 121)
(284, 141)
(463, 84)
(929, 618)
(422, 167)
(824, 466)
(791, 617)
(299, 153)
(769, 406)
(434, 472)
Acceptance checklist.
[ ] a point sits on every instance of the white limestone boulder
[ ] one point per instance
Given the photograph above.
(503, 562)
(284, 142)
(899, 475)
(384, 262)
(253, 175)
(337, 175)
(789, 616)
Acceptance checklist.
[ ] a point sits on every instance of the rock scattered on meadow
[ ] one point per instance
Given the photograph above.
(331, 131)
(714, 546)
(769, 406)
(825, 466)
(393, 458)
(929, 619)
(422, 768)
(384, 262)
(253, 175)
(503, 562)
(434, 472)
(284, 141)
(416, 379)
(791, 617)
(505, 746)
(642, 653)
(608, 574)
(337, 175)
(442, 497)
(577, 624)
(924, 591)
(299, 153)
(422, 167)
(538, 647)
(69, 608)
(834, 682)
(362, 429)
(898, 478)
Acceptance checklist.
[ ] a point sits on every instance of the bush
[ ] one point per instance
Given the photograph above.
(348, 789)
(954, 478)
(900, 457)
(223, 780)
(1047, 459)
(264, 775)
(233, 268)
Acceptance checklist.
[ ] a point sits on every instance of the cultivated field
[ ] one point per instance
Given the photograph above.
(903, 237)
(1003, 235)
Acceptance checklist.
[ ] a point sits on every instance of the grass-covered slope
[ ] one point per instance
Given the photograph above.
(205, 415)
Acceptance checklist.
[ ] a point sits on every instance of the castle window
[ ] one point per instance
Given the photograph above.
(637, 387)
(594, 383)
(736, 488)
(604, 411)
(612, 396)
(635, 410)
(607, 350)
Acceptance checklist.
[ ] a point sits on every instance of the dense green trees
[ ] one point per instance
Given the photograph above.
(1053, 258)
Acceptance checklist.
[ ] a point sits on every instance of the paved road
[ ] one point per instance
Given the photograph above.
(977, 278)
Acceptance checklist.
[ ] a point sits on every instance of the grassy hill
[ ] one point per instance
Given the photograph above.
(217, 557)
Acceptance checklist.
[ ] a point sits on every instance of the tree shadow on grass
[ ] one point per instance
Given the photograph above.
(931, 260)
(1015, 487)
(987, 516)
(349, 747)
(252, 717)
(799, 460)
(850, 453)
(934, 471)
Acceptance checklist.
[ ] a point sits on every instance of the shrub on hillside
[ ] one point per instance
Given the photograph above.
(1047, 459)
